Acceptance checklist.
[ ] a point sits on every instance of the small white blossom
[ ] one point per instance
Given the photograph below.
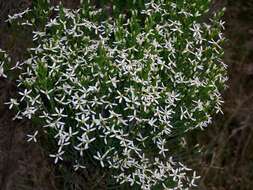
(13, 102)
(58, 155)
(32, 137)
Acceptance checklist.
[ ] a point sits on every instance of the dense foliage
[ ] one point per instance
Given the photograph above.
(122, 86)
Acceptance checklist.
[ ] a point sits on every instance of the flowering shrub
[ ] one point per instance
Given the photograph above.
(122, 88)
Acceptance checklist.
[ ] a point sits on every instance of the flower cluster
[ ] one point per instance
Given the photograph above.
(123, 90)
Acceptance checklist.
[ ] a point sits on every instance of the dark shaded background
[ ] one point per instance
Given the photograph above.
(227, 159)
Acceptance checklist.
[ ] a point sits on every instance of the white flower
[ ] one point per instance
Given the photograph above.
(70, 134)
(83, 119)
(47, 93)
(59, 113)
(100, 158)
(194, 178)
(13, 102)
(2, 71)
(85, 140)
(58, 155)
(161, 145)
(32, 137)
(78, 166)
(25, 94)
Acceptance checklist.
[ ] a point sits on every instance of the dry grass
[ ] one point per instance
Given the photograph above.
(227, 162)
